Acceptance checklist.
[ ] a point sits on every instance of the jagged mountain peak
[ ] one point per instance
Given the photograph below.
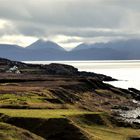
(44, 44)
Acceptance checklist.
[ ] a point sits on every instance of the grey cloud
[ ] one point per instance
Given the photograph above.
(42, 18)
(62, 13)
(8, 29)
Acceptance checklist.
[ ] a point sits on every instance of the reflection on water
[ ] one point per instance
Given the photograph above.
(128, 72)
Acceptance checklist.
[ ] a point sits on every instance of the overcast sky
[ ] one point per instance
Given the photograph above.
(68, 22)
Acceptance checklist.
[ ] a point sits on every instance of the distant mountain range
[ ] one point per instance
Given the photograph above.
(48, 50)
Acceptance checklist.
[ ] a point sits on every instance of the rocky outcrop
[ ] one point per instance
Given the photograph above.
(60, 69)
(51, 69)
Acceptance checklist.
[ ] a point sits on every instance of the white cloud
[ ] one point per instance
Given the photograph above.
(17, 39)
(3, 23)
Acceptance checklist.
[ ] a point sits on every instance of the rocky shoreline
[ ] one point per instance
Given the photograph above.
(59, 86)
(51, 69)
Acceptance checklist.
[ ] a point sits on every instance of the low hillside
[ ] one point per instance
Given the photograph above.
(57, 102)
(10, 132)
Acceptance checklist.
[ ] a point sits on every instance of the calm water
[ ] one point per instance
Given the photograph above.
(128, 72)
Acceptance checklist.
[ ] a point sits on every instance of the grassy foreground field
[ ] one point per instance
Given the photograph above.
(44, 113)
(101, 129)
(105, 133)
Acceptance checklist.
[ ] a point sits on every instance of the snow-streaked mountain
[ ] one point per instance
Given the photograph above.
(45, 45)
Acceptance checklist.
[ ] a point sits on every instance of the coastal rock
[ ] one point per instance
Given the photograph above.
(60, 69)
(135, 93)
(51, 69)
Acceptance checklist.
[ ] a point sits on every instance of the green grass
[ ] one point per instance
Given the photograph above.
(106, 133)
(19, 99)
(43, 113)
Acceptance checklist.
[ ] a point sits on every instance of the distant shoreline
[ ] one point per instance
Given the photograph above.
(96, 61)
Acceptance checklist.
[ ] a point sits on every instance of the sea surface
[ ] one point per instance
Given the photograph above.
(126, 71)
